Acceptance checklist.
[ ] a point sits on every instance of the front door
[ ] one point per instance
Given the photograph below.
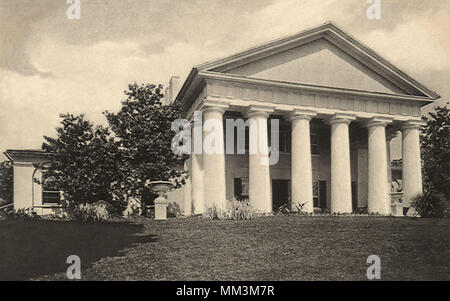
(280, 193)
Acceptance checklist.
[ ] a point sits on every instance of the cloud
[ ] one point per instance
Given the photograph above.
(50, 64)
(418, 45)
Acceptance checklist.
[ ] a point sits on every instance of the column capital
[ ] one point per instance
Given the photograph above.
(301, 114)
(413, 124)
(259, 110)
(378, 121)
(216, 106)
(341, 118)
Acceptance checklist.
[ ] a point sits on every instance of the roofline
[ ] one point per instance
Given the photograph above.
(433, 94)
(328, 27)
(263, 46)
(187, 83)
(10, 152)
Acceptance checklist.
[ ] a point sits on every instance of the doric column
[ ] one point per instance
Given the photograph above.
(341, 186)
(411, 166)
(214, 183)
(260, 192)
(198, 201)
(301, 169)
(378, 193)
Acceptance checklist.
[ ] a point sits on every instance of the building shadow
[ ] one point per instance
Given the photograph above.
(32, 248)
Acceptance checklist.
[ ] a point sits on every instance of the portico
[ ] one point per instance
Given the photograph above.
(338, 104)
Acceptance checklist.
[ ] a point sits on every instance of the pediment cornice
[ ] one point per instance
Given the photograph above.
(413, 89)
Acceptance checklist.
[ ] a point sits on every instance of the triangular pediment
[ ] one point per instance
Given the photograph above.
(321, 56)
(317, 63)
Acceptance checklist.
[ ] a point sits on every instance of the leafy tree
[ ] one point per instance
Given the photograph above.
(143, 129)
(435, 145)
(86, 163)
(6, 182)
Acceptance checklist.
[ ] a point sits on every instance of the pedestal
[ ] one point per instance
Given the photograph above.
(161, 209)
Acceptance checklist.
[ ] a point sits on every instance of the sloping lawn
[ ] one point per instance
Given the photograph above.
(269, 248)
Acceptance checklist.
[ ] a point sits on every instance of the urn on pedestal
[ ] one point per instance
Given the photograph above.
(161, 187)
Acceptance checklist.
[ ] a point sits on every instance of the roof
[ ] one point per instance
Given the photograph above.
(14, 154)
(331, 33)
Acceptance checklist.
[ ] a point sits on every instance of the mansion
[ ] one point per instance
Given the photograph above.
(338, 103)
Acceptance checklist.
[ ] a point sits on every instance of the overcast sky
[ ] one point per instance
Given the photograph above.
(50, 64)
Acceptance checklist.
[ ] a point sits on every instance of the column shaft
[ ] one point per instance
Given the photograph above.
(301, 169)
(378, 194)
(260, 192)
(411, 165)
(388, 162)
(198, 201)
(214, 182)
(341, 190)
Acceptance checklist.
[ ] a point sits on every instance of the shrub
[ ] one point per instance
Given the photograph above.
(283, 210)
(99, 211)
(297, 210)
(21, 214)
(429, 204)
(234, 210)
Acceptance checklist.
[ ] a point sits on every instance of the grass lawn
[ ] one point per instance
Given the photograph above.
(269, 248)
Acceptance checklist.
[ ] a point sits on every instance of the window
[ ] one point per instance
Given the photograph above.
(49, 192)
(315, 144)
(241, 188)
(319, 194)
(315, 185)
(53, 197)
(285, 142)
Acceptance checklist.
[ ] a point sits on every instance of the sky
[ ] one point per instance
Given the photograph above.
(50, 64)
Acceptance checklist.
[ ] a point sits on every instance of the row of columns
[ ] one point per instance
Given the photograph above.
(208, 170)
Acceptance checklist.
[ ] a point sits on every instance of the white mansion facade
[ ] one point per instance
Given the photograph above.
(338, 104)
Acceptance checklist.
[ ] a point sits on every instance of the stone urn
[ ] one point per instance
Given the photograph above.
(161, 187)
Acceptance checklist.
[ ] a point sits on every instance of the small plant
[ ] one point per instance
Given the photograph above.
(283, 210)
(297, 210)
(429, 204)
(234, 210)
(21, 214)
(361, 210)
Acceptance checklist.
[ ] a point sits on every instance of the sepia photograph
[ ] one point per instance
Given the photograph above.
(225, 147)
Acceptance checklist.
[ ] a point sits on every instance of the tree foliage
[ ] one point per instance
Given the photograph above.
(142, 128)
(86, 163)
(6, 182)
(93, 164)
(429, 204)
(435, 144)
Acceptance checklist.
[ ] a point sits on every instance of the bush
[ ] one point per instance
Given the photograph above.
(234, 210)
(21, 214)
(429, 204)
(98, 211)
(297, 210)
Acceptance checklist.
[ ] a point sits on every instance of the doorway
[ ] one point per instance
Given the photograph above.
(280, 194)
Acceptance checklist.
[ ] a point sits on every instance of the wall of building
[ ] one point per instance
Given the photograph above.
(26, 191)
(237, 166)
